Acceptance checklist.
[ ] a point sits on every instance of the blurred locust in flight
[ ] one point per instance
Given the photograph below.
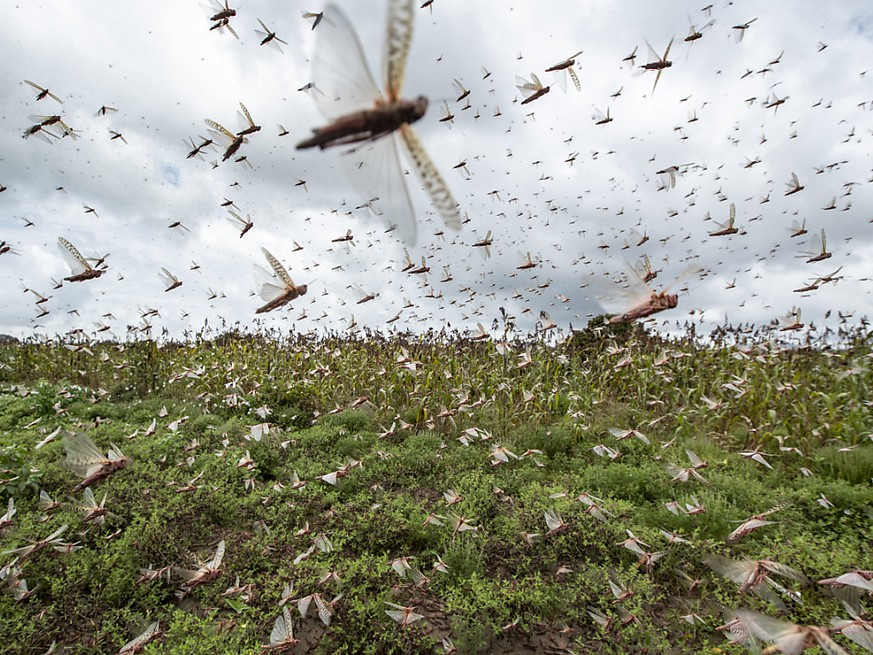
(639, 300)
(657, 63)
(86, 460)
(221, 15)
(361, 114)
(275, 294)
(531, 90)
(43, 92)
(564, 69)
(205, 572)
(81, 269)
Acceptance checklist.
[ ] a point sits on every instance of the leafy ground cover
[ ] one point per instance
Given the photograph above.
(496, 496)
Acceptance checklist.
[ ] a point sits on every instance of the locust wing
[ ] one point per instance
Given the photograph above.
(283, 628)
(738, 572)
(43, 92)
(281, 271)
(374, 171)
(268, 290)
(220, 132)
(244, 117)
(324, 612)
(431, 178)
(83, 456)
(136, 644)
(401, 17)
(219, 555)
(186, 574)
(815, 246)
(73, 257)
(575, 78)
(340, 68)
(667, 51)
(528, 88)
(616, 298)
(303, 605)
(653, 56)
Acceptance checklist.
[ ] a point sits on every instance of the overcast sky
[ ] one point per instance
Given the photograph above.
(542, 177)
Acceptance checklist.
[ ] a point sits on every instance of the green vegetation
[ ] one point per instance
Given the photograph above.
(514, 430)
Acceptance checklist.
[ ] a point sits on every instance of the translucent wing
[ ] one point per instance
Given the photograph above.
(324, 612)
(617, 591)
(600, 618)
(133, 645)
(418, 578)
(433, 182)
(73, 257)
(374, 170)
(643, 268)
(575, 78)
(82, 454)
(362, 295)
(816, 246)
(115, 452)
(403, 616)
(526, 88)
(853, 579)
(787, 571)
(617, 299)
(303, 605)
(397, 615)
(224, 134)
(185, 574)
(39, 118)
(745, 629)
(748, 526)
(88, 499)
(43, 92)
(235, 219)
(267, 289)
(787, 636)
(397, 40)
(340, 69)
(283, 628)
(57, 533)
(695, 459)
(653, 56)
(856, 631)
(667, 51)
(553, 520)
(247, 117)
(280, 270)
(167, 278)
(736, 571)
(219, 555)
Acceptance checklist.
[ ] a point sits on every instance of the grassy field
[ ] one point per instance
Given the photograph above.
(520, 480)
